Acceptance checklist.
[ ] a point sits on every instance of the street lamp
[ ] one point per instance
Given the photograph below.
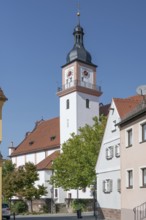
(3, 98)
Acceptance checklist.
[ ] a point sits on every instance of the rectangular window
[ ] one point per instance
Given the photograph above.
(129, 138)
(130, 179)
(117, 150)
(143, 126)
(67, 104)
(87, 103)
(143, 177)
(109, 152)
(107, 186)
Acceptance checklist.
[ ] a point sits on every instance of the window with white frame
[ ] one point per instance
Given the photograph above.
(143, 177)
(129, 138)
(119, 185)
(143, 127)
(107, 186)
(129, 179)
(117, 150)
(109, 152)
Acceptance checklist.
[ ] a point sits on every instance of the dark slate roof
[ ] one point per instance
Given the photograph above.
(45, 136)
(78, 51)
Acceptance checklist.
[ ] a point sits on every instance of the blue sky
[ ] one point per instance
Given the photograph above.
(36, 36)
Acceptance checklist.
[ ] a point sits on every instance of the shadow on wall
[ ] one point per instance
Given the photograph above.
(99, 212)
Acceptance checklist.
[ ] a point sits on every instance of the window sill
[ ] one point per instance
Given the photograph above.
(129, 187)
(129, 146)
(143, 141)
(143, 186)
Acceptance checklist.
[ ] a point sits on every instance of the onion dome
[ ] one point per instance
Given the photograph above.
(78, 51)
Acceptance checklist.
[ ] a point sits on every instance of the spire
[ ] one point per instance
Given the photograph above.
(78, 13)
(78, 51)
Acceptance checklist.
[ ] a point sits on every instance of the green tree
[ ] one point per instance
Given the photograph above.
(20, 182)
(8, 187)
(28, 176)
(75, 167)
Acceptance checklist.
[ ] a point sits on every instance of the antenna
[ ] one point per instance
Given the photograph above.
(141, 90)
(78, 12)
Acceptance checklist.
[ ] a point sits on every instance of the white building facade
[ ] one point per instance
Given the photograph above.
(79, 96)
(108, 168)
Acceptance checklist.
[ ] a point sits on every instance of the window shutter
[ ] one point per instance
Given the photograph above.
(119, 185)
(106, 153)
(112, 151)
(103, 186)
(111, 185)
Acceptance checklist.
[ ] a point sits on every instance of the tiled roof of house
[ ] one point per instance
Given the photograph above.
(124, 106)
(104, 109)
(47, 162)
(44, 136)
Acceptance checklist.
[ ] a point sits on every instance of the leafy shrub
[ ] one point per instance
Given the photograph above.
(19, 207)
(78, 204)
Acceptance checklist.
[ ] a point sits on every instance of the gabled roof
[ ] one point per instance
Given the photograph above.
(124, 106)
(44, 136)
(46, 164)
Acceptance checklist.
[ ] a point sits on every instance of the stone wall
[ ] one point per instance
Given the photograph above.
(114, 214)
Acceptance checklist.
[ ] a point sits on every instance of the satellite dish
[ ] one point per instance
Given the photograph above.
(141, 90)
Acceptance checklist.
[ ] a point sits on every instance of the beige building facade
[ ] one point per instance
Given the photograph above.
(133, 164)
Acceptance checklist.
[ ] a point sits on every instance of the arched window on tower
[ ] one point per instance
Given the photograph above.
(67, 104)
(87, 103)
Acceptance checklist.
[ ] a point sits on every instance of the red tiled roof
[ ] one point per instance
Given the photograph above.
(47, 162)
(124, 106)
(45, 135)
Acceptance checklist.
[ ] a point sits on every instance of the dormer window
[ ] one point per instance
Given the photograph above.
(52, 138)
(31, 142)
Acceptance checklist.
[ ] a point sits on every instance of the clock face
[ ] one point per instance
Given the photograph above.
(86, 75)
(69, 77)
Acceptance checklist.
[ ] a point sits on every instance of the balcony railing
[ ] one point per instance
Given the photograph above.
(140, 212)
(76, 83)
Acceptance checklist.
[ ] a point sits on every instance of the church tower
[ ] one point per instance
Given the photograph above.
(79, 95)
